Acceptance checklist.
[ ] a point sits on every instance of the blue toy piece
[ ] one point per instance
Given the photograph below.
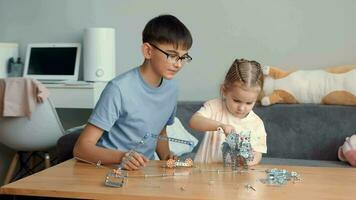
(279, 177)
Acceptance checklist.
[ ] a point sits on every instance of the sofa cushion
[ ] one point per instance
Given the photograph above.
(307, 131)
(303, 162)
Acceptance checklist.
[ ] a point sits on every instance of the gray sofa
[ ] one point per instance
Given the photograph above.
(297, 134)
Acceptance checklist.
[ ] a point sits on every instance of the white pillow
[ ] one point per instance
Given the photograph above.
(177, 130)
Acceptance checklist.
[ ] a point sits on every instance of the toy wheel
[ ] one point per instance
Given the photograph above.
(170, 163)
(189, 162)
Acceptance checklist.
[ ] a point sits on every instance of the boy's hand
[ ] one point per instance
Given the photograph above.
(133, 160)
(227, 129)
(172, 156)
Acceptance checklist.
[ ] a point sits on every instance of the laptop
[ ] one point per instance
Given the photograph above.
(53, 62)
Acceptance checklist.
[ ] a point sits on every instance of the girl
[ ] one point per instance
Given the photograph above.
(239, 92)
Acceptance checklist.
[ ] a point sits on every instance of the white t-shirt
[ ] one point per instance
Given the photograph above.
(210, 148)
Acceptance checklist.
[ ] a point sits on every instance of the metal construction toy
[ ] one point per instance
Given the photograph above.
(176, 163)
(280, 177)
(116, 177)
(237, 149)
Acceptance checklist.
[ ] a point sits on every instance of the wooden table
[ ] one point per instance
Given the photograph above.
(73, 179)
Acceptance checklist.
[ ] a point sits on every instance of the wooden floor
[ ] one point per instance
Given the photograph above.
(73, 179)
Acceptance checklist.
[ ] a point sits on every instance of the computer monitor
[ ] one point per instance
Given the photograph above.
(53, 61)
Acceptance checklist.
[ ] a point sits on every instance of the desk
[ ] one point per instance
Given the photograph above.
(75, 179)
(75, 95)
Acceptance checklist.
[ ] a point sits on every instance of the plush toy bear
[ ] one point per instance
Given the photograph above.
(347, 152)
(334, 85)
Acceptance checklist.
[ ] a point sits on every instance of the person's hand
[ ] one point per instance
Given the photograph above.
(172, 156)
(227, 129)
(133, 160)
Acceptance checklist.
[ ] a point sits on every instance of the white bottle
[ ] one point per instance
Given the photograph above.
(99, 54)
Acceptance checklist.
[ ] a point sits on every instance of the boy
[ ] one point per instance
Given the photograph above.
(139, 102)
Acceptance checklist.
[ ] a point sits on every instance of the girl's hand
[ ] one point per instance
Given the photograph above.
(227, 129)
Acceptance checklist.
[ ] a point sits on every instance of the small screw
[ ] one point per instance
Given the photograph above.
(248, 186)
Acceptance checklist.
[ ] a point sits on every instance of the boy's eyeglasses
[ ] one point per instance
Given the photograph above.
(172, 58)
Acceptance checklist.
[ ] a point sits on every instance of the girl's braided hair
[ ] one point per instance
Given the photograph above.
(248, 73)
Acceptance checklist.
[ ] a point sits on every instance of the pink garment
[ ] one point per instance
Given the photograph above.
(347, 152)
(19, 96)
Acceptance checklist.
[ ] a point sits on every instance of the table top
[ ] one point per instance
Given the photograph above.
(75, 179)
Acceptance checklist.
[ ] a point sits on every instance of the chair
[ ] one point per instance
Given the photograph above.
(66, 143)
(36, 133)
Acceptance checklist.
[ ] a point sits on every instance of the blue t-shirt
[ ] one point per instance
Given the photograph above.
(129, 108)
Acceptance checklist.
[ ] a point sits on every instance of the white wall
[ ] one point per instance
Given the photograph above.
(286, 33)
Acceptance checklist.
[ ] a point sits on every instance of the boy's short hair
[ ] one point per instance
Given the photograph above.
(167, 29)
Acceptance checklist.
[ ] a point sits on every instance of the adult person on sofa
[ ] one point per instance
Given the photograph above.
(242, 85)
(139, 102)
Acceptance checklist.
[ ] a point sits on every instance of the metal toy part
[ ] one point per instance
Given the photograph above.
(249, 187)
(237, 149)
(116, 178)
(177, 163)
(280, 177)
